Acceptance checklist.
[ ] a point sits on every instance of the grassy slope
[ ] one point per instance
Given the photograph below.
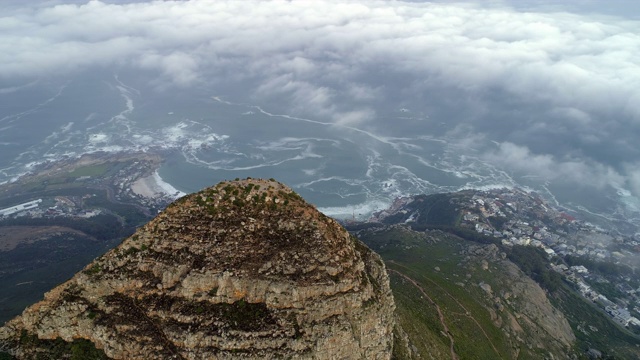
(605, 335)
(411, 256)
(414, 255)
(439, 211)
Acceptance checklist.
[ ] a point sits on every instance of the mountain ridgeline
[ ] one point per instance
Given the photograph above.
(245, 269)
(248, 270)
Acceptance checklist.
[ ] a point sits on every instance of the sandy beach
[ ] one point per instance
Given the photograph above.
(153, 187)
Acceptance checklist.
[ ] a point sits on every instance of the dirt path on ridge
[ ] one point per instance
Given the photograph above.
(467, 312)
(454, 356)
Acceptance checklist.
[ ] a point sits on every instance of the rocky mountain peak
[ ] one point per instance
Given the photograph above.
(254, 228)
(244, 269)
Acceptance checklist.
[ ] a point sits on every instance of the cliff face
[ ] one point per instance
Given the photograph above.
(245, 269)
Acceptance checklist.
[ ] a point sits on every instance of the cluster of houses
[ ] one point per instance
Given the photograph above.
(60, 206)
(619, 313)
(71, 206)
(528, 221)
(519, 218)
(123, 184)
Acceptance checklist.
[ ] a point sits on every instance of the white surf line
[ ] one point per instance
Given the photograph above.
(550, 194)
(395, 146)
(62, 130)
(393, 170)
(128, 102)
(304, 148)
(487, 183)
(331, 178)
(126, 86)
(121, 118)
(431, 138)
(29, 151)
(494, 170)
(12, 89)
(166, 187)
(37, 107)
(372, 135)
(211, 165)
(411, 177)
(194, 122)
(281, 142)
(416, 181)
(578, 208)
(424, 162)
(420, 159)
(62, 142)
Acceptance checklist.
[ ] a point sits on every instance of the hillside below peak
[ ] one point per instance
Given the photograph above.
(244, 269)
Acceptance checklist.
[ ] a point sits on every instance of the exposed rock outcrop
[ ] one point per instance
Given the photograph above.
(245, 269)
(521, 308)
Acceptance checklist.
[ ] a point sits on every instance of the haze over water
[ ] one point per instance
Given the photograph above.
(351, 104)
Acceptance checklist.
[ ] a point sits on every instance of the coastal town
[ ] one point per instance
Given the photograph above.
(72, 191)
(61, 215)
(598, 263)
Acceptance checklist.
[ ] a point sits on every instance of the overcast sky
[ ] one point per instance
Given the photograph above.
(554, 88)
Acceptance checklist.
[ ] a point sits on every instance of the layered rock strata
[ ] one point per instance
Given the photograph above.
(245, 269)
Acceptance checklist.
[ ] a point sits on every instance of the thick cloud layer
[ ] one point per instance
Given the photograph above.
(557, 91)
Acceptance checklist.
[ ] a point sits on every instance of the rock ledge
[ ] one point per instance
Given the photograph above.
(245, 269)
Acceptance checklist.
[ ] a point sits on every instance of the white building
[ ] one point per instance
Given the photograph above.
(21, 207)
(580, 269)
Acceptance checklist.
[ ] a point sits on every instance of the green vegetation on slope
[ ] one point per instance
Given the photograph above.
(78, 349)
(535, 263)
(417, 316)
(26, 271)
(415, 256)
(91, 170)
(24, 280)
(593, 328)
(102, 227)
(436, 209)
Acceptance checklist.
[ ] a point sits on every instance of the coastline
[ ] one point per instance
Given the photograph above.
(153, 186)
(147, 183)
(166, 187)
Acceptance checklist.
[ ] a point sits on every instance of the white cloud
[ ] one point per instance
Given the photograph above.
(577, 116)
(567, 59)
(633, 178)
(341, 60)
(520, 159)
(180, 67)
(354, 118)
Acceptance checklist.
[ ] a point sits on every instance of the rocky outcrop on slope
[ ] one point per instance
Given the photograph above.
(463, 299)
(519, 306)
(245, 269)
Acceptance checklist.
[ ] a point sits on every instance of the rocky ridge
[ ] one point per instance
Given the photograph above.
(519, 306)
(245, 269)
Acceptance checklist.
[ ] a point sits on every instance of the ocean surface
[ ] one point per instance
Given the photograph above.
(208, 134)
